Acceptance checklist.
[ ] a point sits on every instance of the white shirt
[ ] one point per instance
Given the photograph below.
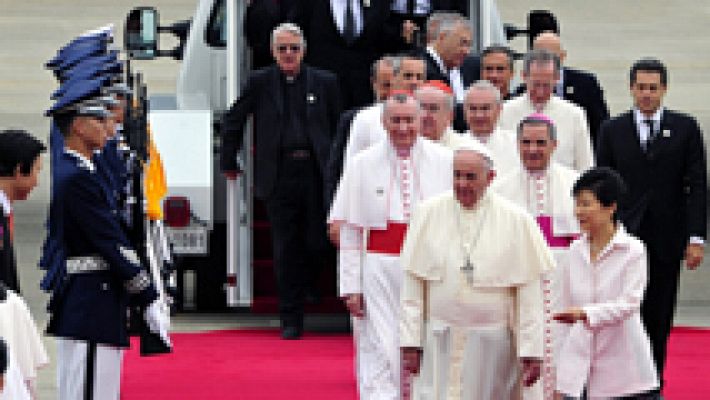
(421, 7)
(641, 126)
(5, 203)
(338, 8)
(610, 353)
(454, 75)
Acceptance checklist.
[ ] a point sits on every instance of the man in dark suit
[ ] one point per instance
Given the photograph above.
(580, 87)
(295, 110)
(660, 155)
(497, 67)
(20, 163)
(346, 37)
(448, 59)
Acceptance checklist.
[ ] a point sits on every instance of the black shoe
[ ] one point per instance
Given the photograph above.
(291, 333)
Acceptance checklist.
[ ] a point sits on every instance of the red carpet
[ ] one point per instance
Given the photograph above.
(243, 364)
(257, 364)
(688, 365)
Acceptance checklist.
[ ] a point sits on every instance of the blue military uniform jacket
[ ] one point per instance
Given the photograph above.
(85, 234)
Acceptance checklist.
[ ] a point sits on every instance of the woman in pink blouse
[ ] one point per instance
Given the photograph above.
(603, 351)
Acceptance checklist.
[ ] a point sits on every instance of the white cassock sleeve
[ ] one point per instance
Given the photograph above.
(413, 298)
(616, 310)
(350, 256)
(583, 155)
(530, 319)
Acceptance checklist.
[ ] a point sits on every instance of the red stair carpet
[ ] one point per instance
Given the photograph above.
(257, 364)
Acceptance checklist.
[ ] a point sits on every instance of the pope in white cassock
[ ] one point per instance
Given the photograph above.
(373, 204)
(541, 71)
(367, 128)
(472, 308)
(544, 188)
(482, 105)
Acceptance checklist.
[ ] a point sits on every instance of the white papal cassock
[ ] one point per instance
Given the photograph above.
(502, 146)
(547, 196)
(473, 326)
(18, 330)
(373, 202)
(574, 148)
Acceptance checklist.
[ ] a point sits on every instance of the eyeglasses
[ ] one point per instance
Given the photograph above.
(413, 75)
(294, 48)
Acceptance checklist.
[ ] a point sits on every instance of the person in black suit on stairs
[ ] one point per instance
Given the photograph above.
(661, 156)
(295, 110)
(346, 37)
(20, 163)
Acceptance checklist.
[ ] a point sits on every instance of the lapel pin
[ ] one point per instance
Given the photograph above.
(311, 98)
(666, 133)
(569, 89)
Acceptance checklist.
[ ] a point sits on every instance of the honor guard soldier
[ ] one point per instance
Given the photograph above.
(92, 270)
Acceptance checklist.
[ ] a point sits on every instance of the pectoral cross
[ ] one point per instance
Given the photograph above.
(467, 269)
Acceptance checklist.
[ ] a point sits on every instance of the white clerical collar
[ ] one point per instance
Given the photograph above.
(537, 174)
(476, 207)
(83, 161)
(432, 52)
(5, 203)
(484, 139)
(656, 117)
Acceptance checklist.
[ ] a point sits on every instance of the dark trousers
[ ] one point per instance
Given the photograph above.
(295, 211)
(658, 306)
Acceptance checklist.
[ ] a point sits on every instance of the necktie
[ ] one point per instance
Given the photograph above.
(349, 26)
(651, 133)
(11, 226)
(410, 8)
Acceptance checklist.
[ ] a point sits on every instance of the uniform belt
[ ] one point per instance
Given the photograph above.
(387, 241)
(84, 264)
(297, 154)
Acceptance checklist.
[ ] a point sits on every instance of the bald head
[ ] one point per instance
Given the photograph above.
(551, 42)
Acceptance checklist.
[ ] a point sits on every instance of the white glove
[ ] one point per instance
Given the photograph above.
(157, 315)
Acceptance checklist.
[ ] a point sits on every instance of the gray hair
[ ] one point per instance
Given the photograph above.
(450, 22)
(540, 56)
(448, 98)
(388, 60)
(290, 28)
(538, 120)
(487, 161)
(397, 62)
(433, 24)
(484, 85)
(399, 98)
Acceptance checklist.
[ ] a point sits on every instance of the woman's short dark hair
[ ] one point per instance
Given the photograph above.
(18, 148)
(606, 184)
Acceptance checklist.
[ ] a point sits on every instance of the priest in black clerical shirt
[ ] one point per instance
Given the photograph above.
(295, 110)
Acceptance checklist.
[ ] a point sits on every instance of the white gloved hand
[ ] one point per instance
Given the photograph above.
(157, 315)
